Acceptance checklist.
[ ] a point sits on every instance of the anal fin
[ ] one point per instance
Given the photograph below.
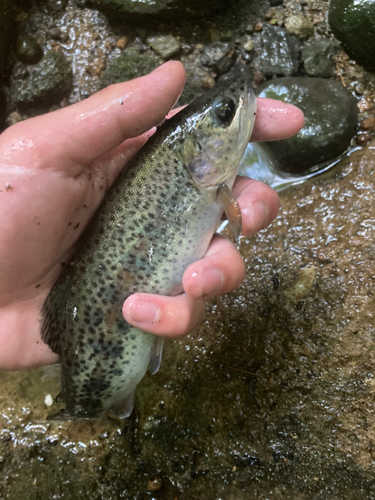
(125, 408)
(156, 354)
(231, 208)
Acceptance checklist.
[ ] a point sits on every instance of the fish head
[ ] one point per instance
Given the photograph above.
(215, 131)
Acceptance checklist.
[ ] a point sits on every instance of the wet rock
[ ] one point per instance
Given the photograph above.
(368, 123)
(330, 122)
(300, 26)
(301, 288)
(154, 483)
(198, 81)
(218, 56)
(122, 42)
(248, 46)
(353, 24)
(42, 84)
(130, 64)
(27, 49)
(162, 8)
(165, 45)
(317, 58)
(55, 6)
(279, 54)
(55, 33)
(13, 118)
(6, 25)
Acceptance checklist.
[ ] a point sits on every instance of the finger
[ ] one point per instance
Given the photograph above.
(167, 316)
(259, 204)
(276, 120)
(113, 162)
(81, 133)
(221, 270)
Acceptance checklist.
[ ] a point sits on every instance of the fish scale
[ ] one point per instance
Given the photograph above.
(158, 217)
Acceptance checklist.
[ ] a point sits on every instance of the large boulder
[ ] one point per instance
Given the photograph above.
(330, 122)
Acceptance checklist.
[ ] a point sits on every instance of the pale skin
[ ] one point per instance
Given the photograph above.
(55, 170)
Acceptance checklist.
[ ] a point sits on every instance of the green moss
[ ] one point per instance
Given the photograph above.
(46, 83)
(131, 64)
(353, 24)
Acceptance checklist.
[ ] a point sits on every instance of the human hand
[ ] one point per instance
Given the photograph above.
(55, 170)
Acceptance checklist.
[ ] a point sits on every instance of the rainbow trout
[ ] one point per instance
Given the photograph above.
(158, 217)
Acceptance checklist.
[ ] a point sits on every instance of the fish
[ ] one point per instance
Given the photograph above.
(158, 217)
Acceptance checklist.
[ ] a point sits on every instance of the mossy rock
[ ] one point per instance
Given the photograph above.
(330, 122)
(41, 84)
(130, 64)
(353, 24)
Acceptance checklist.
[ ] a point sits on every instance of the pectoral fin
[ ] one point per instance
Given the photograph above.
(231, 208)
(156, 355)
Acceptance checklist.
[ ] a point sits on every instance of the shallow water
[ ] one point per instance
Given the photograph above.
(270, 398)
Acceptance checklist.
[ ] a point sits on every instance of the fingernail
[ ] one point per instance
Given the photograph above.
(162, 67)
(144, 312)
(261, 214)
(212, 281)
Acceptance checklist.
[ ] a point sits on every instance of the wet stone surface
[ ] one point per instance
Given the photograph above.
(166, 46)
(27, 49)
(317, 58)
(330, 122)
(131, 64)
(279, 54)
(353, 24)
(271, 398)
(41, 84)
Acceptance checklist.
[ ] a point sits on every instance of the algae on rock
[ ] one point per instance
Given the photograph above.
(41, 84)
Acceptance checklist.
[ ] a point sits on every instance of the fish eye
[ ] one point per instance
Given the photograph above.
(224, 109)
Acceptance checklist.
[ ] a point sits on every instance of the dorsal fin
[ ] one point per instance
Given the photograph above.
(53, 313)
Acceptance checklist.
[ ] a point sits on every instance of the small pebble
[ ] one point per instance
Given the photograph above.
(258, 26)
(165, 45)
(258, 78)
(122, 42)
(248, 45)
(55, 33)
(299, 26)
(155, 483)
(48, 401)
(359, 88)
(27, 49)
(363, 139)
(368, 123)
(13, 118)
(365, 104)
